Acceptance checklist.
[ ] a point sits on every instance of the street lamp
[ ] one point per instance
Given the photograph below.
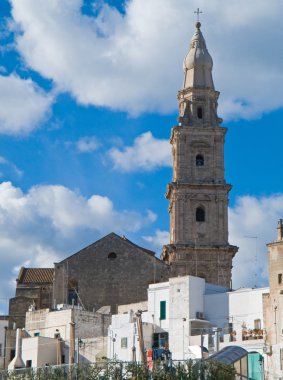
(80, 344)
(113, 339)
(184, 320)
(217, 330)
(275, 323)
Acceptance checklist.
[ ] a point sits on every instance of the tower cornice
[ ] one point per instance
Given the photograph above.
(198, 187)
(182, 130)
(197, 90)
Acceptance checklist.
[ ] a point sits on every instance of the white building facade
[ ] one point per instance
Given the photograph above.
(65, 336)
(174, 319)
(190, 318)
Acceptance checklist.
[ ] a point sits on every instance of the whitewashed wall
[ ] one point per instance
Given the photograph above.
(186, 298)
(156, 294)
(245, 306)
(40, 351)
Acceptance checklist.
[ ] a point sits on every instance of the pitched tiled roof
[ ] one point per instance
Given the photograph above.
(36, 275)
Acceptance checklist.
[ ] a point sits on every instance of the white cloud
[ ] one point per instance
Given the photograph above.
(133, 62)
(45, 224)
(88, 144)
(253, 217)
(147, 153)
(159, 239)
(22, 105)
(4, 163)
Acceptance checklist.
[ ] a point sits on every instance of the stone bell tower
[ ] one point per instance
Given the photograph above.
(198, 193)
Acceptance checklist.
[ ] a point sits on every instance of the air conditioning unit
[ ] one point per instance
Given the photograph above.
(267, 349)
(200, 315)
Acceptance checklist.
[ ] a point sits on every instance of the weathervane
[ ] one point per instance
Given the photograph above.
(198, 13)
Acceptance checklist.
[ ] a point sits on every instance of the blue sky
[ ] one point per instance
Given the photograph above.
(87, 102)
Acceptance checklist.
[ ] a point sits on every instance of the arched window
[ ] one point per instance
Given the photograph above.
(200, 214)
(112, 256)
(199, 112)
(199, 160)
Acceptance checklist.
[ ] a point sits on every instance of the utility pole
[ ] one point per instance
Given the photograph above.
(140, 333)
(202, 375)
(72, 343)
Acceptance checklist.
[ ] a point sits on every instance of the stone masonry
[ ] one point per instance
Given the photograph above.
(198, 193)
(111, 271)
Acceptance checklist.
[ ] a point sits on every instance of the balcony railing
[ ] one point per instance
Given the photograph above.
(244, 335)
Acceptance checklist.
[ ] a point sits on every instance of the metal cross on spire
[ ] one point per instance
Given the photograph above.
(198, 13)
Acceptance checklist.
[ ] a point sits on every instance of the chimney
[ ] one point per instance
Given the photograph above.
(17, 362)
(280, 229)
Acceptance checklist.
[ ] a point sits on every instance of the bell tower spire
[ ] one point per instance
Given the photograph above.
(198, 193)
(198, 63)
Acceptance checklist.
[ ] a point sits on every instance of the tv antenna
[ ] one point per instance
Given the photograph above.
(255, 257)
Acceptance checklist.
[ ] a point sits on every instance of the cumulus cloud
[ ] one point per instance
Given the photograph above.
(23, 105)
(147, 153)
(88, 144)
(133, 61)
(47, 223)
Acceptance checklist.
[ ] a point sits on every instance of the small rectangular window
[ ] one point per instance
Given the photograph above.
(36, 334)
(28, 363)
(0, 349)
(124, 342)
(162, 310)
(280, 278)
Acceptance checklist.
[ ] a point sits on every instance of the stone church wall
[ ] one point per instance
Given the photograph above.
(111, 271)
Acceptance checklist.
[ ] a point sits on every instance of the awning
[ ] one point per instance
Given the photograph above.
(229, 355)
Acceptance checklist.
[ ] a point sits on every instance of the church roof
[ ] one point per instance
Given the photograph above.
(198, 63)
(35, 275)
(115, 236)
(148, 251)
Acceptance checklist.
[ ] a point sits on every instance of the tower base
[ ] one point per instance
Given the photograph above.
(213, 263)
